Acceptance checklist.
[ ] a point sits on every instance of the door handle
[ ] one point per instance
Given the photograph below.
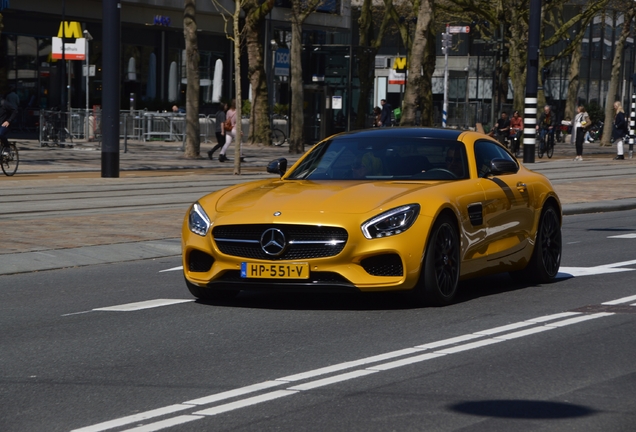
(521, 187)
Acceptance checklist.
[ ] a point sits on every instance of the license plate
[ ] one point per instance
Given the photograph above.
(275, 271)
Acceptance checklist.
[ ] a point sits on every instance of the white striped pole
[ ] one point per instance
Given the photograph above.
(632, 125)
(532, 82)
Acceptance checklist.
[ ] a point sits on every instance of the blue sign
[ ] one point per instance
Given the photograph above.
(162, 21)
(281, 62)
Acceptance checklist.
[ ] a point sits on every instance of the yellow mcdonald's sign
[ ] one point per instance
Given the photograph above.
(70, 30)
(399, 63)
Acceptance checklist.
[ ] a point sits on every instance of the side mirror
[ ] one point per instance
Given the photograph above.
(277, 166)
(503, 166)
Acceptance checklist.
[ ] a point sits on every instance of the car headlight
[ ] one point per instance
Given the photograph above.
(391, 222)
(198, 221)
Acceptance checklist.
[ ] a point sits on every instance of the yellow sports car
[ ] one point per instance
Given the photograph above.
(377, 210)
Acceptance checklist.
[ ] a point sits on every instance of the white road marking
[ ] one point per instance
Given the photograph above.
(133, 418)
(163, 424)
(620, 301)
(331, 380)
(624, 236)
(233, 393)
(543, 323)
(171, 269)
(149, 304)
(246, 402)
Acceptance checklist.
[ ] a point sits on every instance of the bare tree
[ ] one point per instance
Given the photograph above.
(193, 136)
(628, 15)
(421, 40)
(255, 13)
(367, 49)
(300, 10)
(235, 36)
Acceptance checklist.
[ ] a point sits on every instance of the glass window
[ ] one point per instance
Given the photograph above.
(486, 151)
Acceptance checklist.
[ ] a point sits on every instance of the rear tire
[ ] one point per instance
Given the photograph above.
(440, 276)
(546, 256)
(209, 294)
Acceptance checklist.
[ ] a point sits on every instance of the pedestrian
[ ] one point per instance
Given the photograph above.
(516, 129)
(385, 115)
(231, 121)
(13, 98)
(377, 115)
(546, 125)
(219, 129)
(581, 123)
(620, 130)
(8, 114)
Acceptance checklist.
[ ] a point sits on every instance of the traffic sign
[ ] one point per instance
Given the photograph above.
(459, 29)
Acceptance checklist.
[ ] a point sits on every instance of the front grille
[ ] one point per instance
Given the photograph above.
(383, 265)
(302, 241)
(199, 261)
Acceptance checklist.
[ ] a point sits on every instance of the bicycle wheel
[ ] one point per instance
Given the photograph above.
(278, 137)
(550, 149)
(10, 159)
(541, 148)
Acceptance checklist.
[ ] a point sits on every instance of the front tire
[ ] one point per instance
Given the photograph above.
(440, 276)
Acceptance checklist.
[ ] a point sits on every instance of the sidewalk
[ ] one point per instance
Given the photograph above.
(67, 238)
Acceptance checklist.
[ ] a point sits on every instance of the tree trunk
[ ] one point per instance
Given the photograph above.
(426, 84)
(237, 85)
(573, 84)
(296, 142)
(612, 92)
(259, 131)
(416, 61)
(193, 136)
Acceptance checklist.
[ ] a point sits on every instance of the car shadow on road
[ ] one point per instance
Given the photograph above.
(285, 300)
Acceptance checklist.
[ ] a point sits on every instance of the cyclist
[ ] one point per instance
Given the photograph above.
(8, 113)
(546, 124)
(502, 128)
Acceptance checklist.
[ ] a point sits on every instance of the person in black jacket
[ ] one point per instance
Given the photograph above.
(385, 116)
(8, 113)
(619, 130)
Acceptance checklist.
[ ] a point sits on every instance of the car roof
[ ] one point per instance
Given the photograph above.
(403, 132)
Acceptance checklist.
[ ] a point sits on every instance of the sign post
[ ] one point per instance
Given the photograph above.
(447, 43)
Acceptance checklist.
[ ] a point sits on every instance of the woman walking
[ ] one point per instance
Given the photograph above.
(581, 122)
(231, 119)
(620, 130)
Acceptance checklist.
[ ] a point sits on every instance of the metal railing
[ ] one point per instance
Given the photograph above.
(64, 128)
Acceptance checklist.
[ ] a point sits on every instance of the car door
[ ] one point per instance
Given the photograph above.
(506, 212)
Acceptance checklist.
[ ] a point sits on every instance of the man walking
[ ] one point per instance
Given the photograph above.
(385, 115)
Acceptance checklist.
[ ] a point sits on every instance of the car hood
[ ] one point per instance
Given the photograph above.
(301, 196)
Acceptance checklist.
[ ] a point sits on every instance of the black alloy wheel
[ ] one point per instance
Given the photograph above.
(440, 276)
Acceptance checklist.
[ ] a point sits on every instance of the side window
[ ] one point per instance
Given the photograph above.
(485, 151)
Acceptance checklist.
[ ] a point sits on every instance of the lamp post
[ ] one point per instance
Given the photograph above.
(88, 37)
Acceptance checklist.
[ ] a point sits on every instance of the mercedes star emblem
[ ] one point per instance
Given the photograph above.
(273, 242)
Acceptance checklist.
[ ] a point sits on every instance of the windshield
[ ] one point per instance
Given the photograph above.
(410, 158)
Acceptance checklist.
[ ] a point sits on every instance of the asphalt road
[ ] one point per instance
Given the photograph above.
(95, 348)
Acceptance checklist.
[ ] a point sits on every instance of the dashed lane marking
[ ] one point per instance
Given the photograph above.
(409, 356)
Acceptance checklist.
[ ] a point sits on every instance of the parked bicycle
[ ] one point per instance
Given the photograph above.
(54, 132)
(547, 147)
(278, 137)
(9, 159)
